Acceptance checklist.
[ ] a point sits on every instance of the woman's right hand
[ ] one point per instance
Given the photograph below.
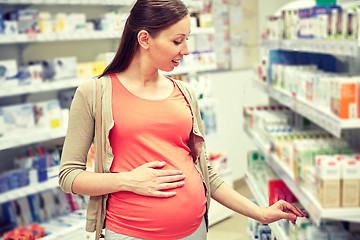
(150, 180)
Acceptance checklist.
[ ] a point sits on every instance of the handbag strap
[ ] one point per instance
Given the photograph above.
(98, 134)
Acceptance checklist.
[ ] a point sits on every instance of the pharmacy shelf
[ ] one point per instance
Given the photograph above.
(75, 231)
(308, 201)
(54, 37)
(41, 87)
(64, 234)
(26, 137)
(253, 186)
(323, 118)
(71, 2)
(28, 190)
(342, 47)
(75, 36)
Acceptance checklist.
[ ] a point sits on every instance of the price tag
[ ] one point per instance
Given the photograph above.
(31, 36)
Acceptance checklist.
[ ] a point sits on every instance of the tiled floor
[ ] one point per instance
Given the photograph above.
(233, 228)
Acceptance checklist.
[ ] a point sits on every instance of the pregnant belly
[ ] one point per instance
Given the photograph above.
(153, 218)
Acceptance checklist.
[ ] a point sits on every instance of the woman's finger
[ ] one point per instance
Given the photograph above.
(166, 186)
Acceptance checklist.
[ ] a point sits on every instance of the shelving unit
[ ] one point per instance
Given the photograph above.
(344, 47)
(74, 36)
(55, 37)
(31, 136)
(25, 191)
(325, 119)
(309, 202)
(275, 227)
(43, 87)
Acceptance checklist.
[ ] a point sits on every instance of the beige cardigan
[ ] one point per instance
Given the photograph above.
(80, 135)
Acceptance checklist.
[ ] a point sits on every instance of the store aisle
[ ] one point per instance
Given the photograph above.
(233, 228)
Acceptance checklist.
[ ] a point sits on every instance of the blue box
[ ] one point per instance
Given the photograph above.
(2, 25)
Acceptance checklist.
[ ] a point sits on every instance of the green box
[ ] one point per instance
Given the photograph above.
(325, 2)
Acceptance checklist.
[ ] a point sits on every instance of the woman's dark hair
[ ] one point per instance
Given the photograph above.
(150, 15)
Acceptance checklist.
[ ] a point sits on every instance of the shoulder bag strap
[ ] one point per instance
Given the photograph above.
(98, 134)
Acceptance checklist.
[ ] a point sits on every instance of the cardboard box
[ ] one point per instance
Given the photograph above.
(328, 172)
(350, 184)
(343, 102)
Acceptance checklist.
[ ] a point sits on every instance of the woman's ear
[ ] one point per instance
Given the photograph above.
(143, 39)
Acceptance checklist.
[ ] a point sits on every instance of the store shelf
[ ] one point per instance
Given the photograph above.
(26, 137)
(75, 230)
(74, 36)
(344, 47)
(325, 119)
(28, 190)
(62, 36)
(309, 202)
(41, 87)
(70, 2)
(275, 227)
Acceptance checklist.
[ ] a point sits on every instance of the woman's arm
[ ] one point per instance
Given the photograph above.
(146, 180)
(240, 204)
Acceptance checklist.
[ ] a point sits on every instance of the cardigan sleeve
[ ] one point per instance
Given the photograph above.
(79, 136)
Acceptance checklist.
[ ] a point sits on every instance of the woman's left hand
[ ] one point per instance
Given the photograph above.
(282, 210)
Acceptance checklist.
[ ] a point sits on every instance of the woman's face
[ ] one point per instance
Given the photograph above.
(169, 47)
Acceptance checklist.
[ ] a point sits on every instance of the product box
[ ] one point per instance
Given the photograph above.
(350, 180)
(54, 114)
(84, 70)
(36, 73)
(98, 68)
(2, 25)
(218, 162)
(255, 161)
(343, 101)
(8, 70)
(328, 186)
(277, 190)
(60, 68)
(70, 22)
(28, 21)
(2, 123)
(62, 206)
(18, 117)
(41, 115)
(66, 97)
(47, 114)
(305, 26)
(45, 22)
(320, 21)
(11, 27)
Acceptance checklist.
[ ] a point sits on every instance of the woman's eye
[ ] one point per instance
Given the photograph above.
(177, 42)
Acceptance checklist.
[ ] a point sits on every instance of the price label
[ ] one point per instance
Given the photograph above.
(31, 36)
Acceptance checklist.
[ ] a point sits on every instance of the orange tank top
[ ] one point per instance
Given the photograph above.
(153, 130)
